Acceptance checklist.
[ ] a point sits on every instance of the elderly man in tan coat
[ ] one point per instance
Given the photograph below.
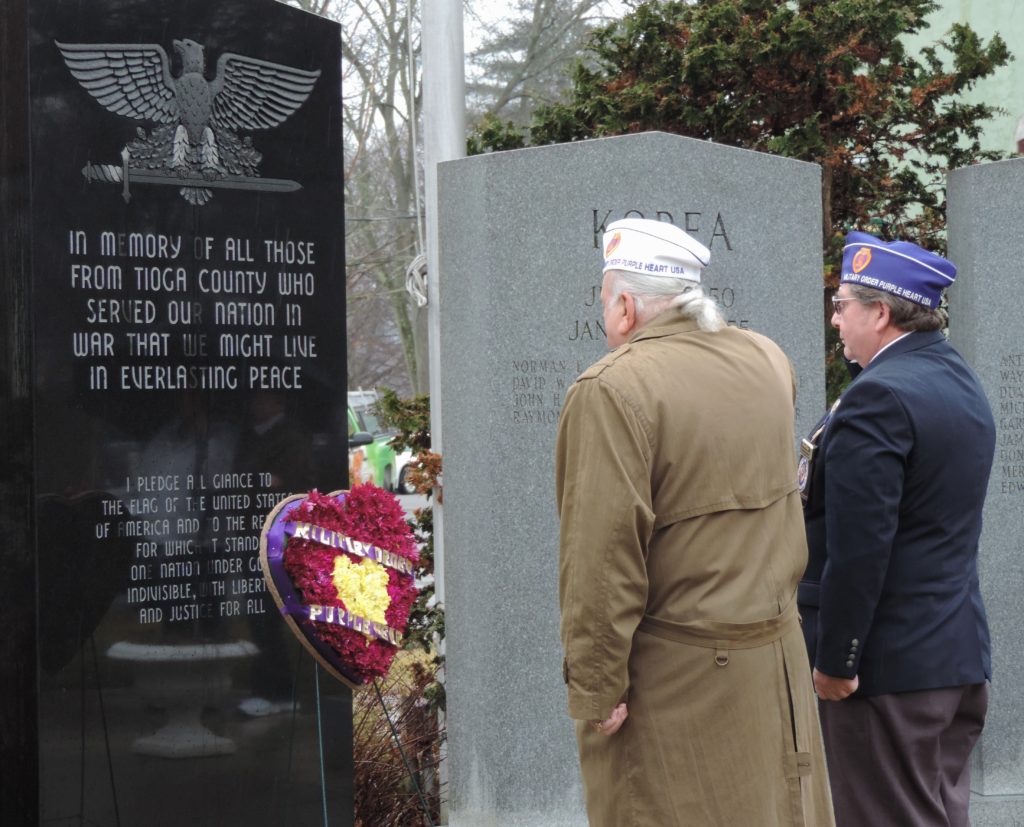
(682, 543)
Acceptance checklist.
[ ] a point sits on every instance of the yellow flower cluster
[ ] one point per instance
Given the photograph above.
(362, 587)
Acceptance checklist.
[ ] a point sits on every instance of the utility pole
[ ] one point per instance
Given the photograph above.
(444, 139)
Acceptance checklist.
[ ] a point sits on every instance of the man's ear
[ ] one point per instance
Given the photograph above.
(625, 319)
(883, 317)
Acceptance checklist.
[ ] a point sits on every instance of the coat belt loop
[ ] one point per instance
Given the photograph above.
(721, 653)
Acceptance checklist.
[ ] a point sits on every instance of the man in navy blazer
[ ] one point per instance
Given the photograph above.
(894, 479)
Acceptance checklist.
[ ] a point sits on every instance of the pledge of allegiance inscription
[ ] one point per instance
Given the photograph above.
(175, 576)
(538, 385)
(1011, 424)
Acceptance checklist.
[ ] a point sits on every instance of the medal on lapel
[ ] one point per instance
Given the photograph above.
(808, 451)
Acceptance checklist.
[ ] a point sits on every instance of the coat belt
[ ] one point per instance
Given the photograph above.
(723, 636)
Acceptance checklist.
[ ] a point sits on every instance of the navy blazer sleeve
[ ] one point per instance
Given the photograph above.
(868, 442)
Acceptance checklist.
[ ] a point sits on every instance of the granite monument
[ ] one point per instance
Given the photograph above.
(520, 273)
(174, 364)
(986, 212)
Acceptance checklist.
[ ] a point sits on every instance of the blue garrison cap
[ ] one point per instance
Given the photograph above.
(897, 267)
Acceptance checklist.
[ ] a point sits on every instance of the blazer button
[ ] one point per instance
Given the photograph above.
(849, 663)
(855, 643)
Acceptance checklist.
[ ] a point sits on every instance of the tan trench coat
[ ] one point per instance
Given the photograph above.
(682, 543)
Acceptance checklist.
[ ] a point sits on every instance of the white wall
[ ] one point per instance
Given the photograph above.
(1005, 88)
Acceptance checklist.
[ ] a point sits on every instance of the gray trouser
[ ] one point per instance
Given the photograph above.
(903, 760)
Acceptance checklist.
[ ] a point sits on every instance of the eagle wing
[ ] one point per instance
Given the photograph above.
(133, 80)
(252, 94)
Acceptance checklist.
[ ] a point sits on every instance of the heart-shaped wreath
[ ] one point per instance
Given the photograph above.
(341, 568)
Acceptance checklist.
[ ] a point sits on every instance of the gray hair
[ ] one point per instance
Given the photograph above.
(655, 294)
(903, 314)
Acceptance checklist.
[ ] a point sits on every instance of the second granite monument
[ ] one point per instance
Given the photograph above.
(520, 273)
(986, 210)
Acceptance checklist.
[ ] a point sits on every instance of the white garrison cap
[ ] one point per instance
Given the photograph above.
(653, 248)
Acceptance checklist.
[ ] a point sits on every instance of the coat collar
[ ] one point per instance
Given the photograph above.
(664, 324)
(915, 341)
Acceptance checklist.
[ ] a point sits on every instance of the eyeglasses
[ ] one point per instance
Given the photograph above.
(837, 303)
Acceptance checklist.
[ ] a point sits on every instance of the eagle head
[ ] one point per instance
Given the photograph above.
(193, 58)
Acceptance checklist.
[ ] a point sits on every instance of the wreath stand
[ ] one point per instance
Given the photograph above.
(424, 806)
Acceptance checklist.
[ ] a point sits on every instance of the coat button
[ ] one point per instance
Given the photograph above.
(855, 643)
(849, 663)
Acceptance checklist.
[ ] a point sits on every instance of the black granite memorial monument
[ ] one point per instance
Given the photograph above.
(173, 365)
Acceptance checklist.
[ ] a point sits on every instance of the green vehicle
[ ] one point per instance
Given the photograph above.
(376, 461)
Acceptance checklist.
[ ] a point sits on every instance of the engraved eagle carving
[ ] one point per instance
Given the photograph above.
(197, 118)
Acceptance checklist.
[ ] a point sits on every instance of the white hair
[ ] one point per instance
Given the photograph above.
(655, 294)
